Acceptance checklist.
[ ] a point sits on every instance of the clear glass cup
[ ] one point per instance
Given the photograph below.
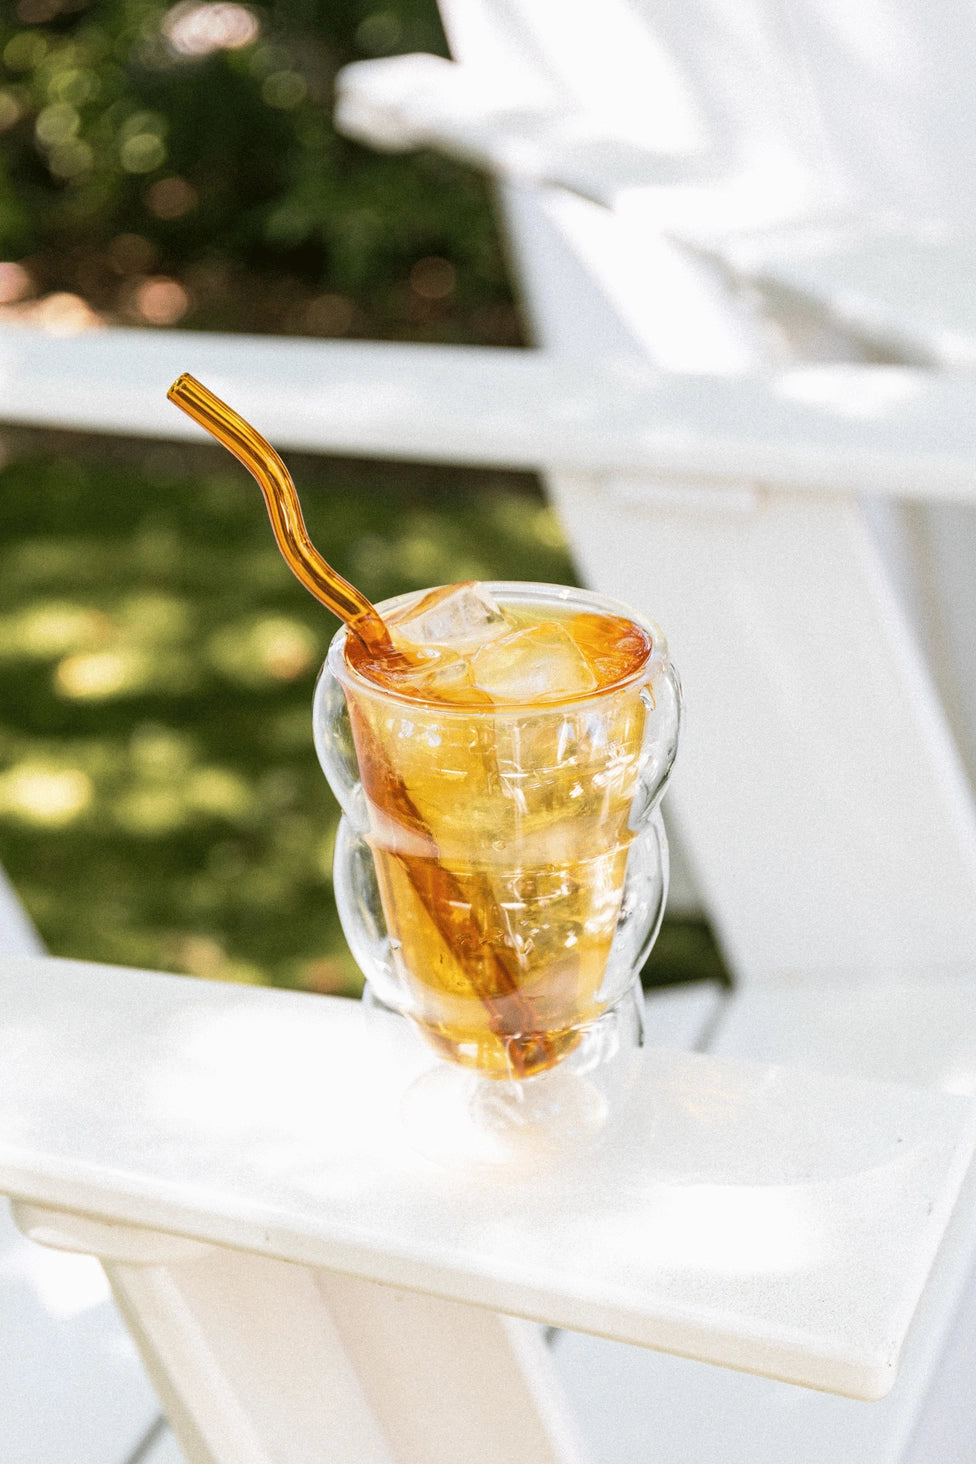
(501, 870)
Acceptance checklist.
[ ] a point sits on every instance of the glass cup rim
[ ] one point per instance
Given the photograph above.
(335, 660)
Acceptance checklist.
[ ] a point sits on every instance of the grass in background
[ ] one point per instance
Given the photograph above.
(160, 801)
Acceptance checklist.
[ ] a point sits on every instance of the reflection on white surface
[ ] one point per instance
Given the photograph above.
(876, 393)
(959, 1079)
(733, 1231)
(311, 1089)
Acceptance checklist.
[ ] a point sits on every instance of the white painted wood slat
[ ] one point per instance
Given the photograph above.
(736, 1214)
(885, 430)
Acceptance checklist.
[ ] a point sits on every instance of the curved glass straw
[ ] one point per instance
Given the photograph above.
(434, 885)
(275, 482)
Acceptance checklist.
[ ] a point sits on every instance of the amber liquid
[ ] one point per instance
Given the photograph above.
(499, 832)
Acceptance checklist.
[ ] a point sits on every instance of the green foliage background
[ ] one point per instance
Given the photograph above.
(97, 107)
(160, 803)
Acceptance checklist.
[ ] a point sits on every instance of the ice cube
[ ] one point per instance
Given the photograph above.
(461, 616)
(444, 677)
(542, 662)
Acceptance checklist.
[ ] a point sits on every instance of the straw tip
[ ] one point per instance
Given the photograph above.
(178, 390)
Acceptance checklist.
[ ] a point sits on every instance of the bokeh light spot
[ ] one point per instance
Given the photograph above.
(160, 752)
(218, 792)
(54, 628)
(171, 198)
(70, 159)
(64, 314)
(74, 84)
(37, 12)
(326, 975)
(25, 50)
(131, 254)
(433, 278)
(161, 301)
(142, 152)
(284, 90)
(11, 110)
(330, 315)
(273, 648)
(150, 811)
(100, 675)
(56, 123)
(379, 33)
(41, 793)
(194, 29)
(15, 282)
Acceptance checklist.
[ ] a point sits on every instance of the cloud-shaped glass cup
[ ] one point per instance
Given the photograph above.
(501, 874)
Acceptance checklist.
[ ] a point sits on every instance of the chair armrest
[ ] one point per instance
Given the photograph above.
(772, 1219)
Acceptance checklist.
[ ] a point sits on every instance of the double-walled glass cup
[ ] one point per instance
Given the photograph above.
(501, 869)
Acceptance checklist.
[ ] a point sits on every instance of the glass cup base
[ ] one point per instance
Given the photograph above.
(456, 1116)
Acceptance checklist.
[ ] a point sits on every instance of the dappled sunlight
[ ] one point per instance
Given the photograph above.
(103, 653)
(220, 793)
(161, 752)
(150, 811)
(277, 1074)
(52, 628)
(202, 955)
(266, 649)
(164, 789)
(856, 392)
(102, 674)
(157, 617)
(160, 801)
(45, 794)
(731, 1229)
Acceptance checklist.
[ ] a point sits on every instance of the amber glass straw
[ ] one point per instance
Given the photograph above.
(275, 482)
(498, 988)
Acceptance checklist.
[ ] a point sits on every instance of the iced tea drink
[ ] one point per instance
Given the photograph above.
(510, 762)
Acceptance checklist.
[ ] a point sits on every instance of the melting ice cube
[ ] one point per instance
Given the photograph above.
(455, 615)
(445, 677)
(542, 661)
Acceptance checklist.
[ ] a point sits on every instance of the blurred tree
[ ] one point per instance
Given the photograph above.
(178, 163)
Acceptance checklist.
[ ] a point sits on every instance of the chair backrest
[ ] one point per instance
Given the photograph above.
(893, 85)
(821, 799)
(826, 102)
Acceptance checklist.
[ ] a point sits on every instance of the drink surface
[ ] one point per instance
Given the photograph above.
(458, 646)
(500, 776)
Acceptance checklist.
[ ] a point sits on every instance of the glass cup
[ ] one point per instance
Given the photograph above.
(501, 869)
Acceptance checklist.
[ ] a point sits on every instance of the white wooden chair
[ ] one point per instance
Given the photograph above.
(826, 162)
(824, 813)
